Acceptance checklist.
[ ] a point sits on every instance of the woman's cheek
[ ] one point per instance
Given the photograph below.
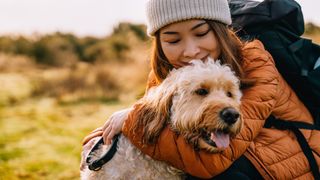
(172, 54)
(215, 54)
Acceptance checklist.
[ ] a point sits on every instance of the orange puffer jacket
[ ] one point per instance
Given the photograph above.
(275, 153)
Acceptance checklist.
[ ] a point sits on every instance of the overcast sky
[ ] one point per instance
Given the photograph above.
(87, 17)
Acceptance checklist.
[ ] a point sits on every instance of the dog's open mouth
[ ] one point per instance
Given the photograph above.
(217, 138)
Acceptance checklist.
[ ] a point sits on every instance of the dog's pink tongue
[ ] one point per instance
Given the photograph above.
(221, 139)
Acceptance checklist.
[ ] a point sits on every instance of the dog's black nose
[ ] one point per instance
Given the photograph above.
(229, 115)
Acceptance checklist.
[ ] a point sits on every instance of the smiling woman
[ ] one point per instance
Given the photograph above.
(186, 29)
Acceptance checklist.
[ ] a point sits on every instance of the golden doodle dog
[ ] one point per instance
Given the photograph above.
(200, 101)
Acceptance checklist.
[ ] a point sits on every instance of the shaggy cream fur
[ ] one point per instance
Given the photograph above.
(201, 102)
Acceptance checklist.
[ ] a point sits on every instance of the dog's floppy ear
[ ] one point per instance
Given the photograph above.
(154, 111)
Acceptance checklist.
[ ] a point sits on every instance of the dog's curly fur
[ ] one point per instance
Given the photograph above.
(191, 100)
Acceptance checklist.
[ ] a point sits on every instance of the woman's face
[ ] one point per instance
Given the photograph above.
(192, 39)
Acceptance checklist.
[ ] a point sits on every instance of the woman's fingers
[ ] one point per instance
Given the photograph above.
(106, 124)
(110, 136)
(113, 125)
(105, 134)
(98, 129)
(91, 135)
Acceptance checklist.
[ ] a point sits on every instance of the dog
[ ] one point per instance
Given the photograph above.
(200, 102)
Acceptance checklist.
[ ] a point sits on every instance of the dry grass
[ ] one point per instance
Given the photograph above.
(314, 37)
(14, 87)
(15, 63)
(21, 78)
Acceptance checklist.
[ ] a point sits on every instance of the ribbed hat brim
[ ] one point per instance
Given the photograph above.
(163, 12)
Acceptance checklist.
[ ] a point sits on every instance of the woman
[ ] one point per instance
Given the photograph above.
(195, 29)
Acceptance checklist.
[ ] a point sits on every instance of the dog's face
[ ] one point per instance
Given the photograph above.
(205, 105)
(201, 102)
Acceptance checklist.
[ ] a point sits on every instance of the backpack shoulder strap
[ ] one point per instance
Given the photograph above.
(294, 127)
(285, 125)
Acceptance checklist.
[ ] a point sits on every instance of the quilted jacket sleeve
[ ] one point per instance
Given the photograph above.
(257, 104)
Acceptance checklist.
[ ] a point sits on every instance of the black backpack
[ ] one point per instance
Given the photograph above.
(279, 24)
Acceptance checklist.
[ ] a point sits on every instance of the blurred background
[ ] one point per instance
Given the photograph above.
(65, 66)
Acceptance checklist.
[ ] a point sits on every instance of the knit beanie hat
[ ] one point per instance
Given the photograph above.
(163, 12)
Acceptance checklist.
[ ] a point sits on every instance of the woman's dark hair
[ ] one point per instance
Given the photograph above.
(231, 53)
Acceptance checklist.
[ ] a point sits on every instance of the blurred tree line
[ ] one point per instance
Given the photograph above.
(61, 49)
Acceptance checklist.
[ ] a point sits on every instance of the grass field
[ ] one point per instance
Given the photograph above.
(41, 139)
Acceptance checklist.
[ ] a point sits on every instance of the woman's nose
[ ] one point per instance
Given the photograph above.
(191, 50)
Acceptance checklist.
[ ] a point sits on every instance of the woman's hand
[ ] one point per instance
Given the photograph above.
(111, 127)
(114, 125)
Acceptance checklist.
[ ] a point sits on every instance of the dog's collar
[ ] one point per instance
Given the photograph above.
(97, 164)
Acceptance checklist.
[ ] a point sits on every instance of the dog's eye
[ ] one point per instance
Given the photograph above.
(229, 94)
(202, 92)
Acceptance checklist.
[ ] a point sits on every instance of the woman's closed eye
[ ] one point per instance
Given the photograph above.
(200, 34)
(203, 33)
(173, 41)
